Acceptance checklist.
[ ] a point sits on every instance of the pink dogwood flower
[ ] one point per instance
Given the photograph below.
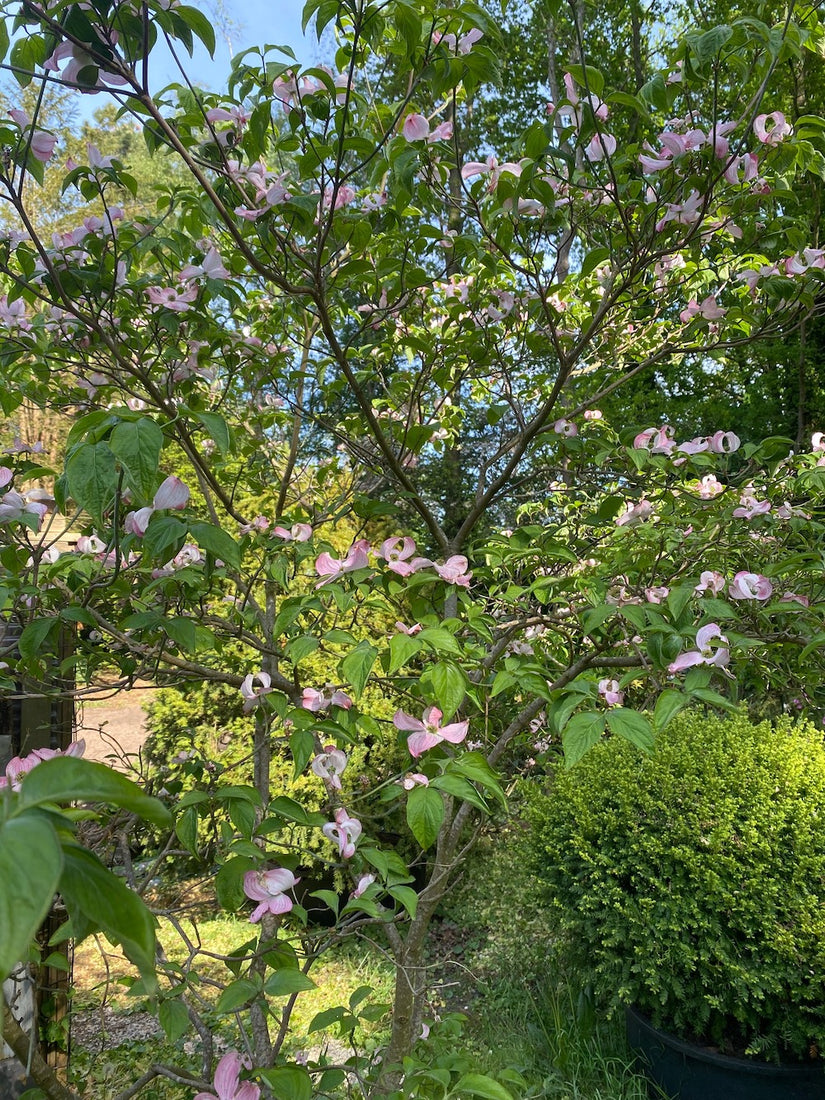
(330, 569)
(750, 507)
(251, 694)
(750, 586)
(172, 493)
(298, 532)
(565, 428)
(706, 654)
(659, 441)
(710, 581)
(343, 831)
(635, 513)
(427, 732)
(414, 779)
(454, 571)
(724, 443)
(415, 128)
(19, 766)
(329, 766)
(13, 506)
(395, 553)
(402, 628)
(657, 593)
(43, 145)
(228, 1084)
(771, 129)
(269, 888)
(363, 884)
(170, 297)
(609, 691)
(709, 310)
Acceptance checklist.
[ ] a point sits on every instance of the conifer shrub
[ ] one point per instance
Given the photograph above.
(691, 882)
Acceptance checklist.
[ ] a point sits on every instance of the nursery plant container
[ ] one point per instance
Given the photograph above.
(683, 1071)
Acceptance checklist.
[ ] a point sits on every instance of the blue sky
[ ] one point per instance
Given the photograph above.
(252, 22)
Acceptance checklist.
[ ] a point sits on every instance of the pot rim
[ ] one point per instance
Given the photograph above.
(703, 1054)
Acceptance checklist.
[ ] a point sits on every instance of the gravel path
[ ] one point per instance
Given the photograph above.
(115, 729)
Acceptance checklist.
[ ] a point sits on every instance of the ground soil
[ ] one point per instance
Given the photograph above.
(114, 728)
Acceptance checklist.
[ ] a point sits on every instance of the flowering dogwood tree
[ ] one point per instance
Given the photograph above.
(339, 400)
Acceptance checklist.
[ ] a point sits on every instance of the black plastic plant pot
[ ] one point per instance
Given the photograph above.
(677, 1070)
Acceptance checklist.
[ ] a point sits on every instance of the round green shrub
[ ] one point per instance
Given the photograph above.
(691, 882)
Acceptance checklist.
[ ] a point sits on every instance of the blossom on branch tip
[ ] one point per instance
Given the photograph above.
(609, 691)
(343, 831)
(330, 569)
(724, 443)
(363, 884)
(298, 532)
(329, 766)
(427, 732)
(710, 581)
(250, 693)
(172, 493)
(269, 888)
(635, 513)
(750, 586)
(414, 779)
(706, 654)
(771, 129)
(415, 128)
(395, 553)
(227, 1083)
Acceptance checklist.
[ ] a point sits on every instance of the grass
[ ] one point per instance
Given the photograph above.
(527, 1020)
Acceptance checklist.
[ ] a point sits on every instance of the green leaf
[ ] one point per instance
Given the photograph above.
(104, 900)
(70, 779)
(33, 636)
(678, 599)
(581, 733)
(327, 1018)
(187, 829)
(402, 648)
(217, 542)
(236, 995)
(593, 258)
(288, 1082)
(459, 787)
(478, 1084)
(302, 747)
(164, 536)
(137, 444)
(199, 25)
(709, 44)
(30, 866)
(440, 640)
(174, 1019)
(229, 882)
(91, 475)
(407, 896)
(450, 686)
(357, 666)
(217, 428)
(285, 982)
(476, 768)
(668, 705)
(631, 725)
(182, 631)
(425, 812)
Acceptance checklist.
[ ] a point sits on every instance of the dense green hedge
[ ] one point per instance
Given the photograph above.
(691, 882)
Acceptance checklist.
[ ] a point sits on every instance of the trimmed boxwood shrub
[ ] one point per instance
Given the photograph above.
(691, 882)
